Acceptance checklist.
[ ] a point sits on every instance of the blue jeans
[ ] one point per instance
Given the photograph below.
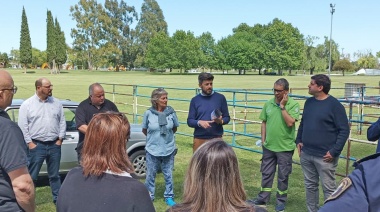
(153, 163)
(52, 153)
(315, 169)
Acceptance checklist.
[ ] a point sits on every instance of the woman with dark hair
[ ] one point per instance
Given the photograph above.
(103, 182)
(160, 122)
(213, 181)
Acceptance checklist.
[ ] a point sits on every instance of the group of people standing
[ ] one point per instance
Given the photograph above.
(103, 181)
(322, 134)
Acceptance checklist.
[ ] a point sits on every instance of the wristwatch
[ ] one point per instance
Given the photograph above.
(282, 108)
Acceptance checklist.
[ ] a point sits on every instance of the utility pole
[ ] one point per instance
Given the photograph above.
(332, 12)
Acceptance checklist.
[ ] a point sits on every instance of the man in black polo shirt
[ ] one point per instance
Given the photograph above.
(95, 103)
(16, 185)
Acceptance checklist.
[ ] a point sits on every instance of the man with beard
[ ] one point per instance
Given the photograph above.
(42, 121)
(208, 112)
(278, 117)
(95, 103)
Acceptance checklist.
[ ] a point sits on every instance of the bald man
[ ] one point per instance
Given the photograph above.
(16, 185)
(42, 121)
(95, 103)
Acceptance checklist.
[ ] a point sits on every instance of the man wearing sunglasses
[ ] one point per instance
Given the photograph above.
(16, 185)
(42, 121)
(278, 117)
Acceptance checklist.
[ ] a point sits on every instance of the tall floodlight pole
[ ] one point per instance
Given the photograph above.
(332, 12)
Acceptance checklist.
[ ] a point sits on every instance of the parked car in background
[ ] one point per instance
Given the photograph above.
(135, 145)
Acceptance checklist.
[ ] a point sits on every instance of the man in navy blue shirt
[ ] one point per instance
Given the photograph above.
(322, 134)
(208, 112)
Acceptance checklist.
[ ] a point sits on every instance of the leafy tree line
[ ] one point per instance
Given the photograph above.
(113, 34)
(276, 46)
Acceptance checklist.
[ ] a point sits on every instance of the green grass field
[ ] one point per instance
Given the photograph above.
(74, 85)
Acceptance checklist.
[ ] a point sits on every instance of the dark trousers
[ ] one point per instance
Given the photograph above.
(271, 160)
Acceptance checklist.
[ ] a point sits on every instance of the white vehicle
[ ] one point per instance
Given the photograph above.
(135, 145)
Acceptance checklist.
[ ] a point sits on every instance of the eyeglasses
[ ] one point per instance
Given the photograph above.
(48, 86)
(14, 89)
(277, 91)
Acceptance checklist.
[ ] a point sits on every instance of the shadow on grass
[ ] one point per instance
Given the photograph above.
(44, 180)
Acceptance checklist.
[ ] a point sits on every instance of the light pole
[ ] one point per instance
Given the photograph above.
(332, 12)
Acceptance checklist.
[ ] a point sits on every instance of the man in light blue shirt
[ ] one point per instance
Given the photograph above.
(43, 124)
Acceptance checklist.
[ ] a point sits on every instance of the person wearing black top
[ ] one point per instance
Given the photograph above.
(104, 182)
(95, 103)
(16, 185)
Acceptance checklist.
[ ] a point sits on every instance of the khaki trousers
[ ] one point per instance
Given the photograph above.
(197, 142)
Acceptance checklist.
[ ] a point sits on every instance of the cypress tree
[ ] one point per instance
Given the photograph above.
(25, 43)
(60, 45)
(51, 42)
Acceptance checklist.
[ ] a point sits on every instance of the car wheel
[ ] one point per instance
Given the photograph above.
(138, 160)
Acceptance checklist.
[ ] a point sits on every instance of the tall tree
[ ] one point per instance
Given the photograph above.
(61, 47)
(240, 52)
(151, 22)
(187, 50)
(221, 53)
(119, 35)
(285, 46)
(160, 52)
(89, 34)
(314, 58)
(51, 42)
(25, 42)
(208, 58)
(335, 55)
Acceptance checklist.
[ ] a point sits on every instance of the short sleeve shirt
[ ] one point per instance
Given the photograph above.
(279, 137)
(13, 155)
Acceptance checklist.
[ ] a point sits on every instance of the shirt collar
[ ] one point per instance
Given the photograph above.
(207, 95)
(89, 101)
(49, 98)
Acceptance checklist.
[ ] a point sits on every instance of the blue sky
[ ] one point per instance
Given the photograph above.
(355, 23)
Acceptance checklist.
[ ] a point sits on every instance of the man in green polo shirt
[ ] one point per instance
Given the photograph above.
(278, 117)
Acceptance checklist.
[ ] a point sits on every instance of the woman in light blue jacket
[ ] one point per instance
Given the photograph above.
(160, 122)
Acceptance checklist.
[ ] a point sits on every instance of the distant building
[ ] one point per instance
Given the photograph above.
(367, 72)
(193, 71)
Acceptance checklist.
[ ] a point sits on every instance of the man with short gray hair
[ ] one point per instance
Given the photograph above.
(95, 103)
